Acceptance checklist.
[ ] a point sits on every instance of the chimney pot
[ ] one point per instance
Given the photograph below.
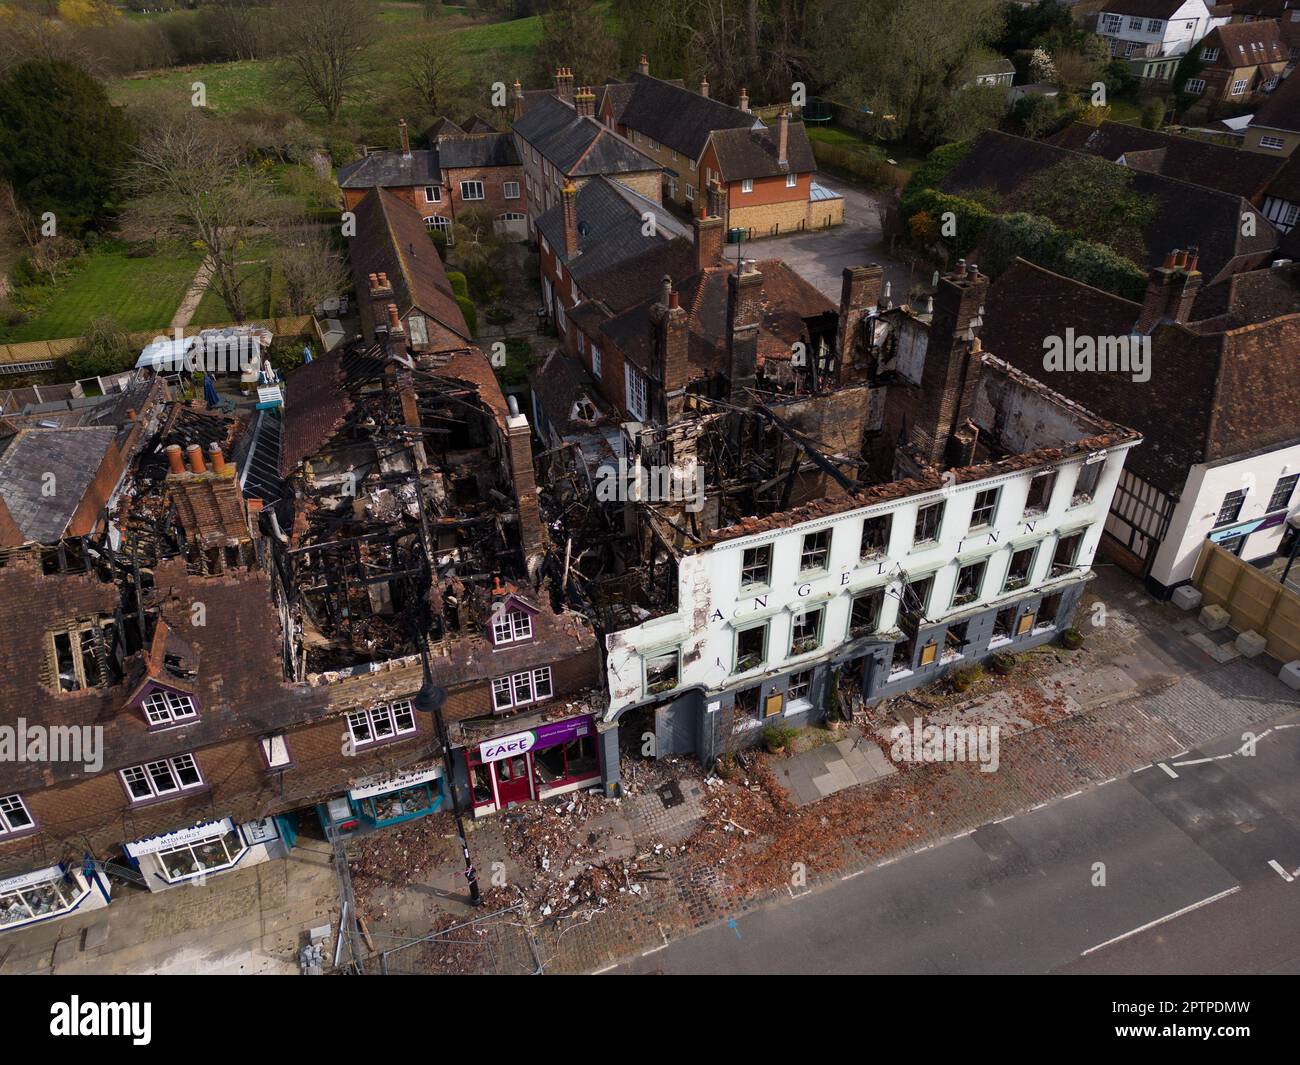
(704, 86)
(406, 137)
(744, 99)
(394, 320)
(216, 458)
(175, 460)
(643, 66)
(195, 454)
(1170, 259)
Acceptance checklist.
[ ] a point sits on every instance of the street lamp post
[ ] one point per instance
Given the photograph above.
(429, 700)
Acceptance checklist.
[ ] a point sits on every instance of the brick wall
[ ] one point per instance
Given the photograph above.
(494, 179)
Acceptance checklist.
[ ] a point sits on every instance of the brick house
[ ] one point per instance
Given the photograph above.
(585, 238)
(459, 171)
(765, 169)
(394, 262)
(1240, 64)
(562, 144)
(1218, 405)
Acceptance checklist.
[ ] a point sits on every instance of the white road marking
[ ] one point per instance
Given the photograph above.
(1167, 770)
(606, 969)
(850, 876)
(654, 950)
(1162, 920)
(1280, 871)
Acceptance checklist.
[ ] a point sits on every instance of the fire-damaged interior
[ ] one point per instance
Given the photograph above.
(902, 395)
(412, 461)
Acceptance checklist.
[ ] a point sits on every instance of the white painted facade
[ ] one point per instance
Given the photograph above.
(1133, 35)
(714, 608)
(1195, 518)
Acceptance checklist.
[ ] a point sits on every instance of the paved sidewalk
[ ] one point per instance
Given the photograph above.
(193, 296)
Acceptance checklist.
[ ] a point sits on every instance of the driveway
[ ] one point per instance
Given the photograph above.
(820, 257)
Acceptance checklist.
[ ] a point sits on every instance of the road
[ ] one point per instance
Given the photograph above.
(1197, 852)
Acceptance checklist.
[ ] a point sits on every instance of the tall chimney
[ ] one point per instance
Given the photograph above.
(395, 327)
(532, 535)
(704, 87)
(569, 198)
(406, 138)
(744, 309)
(672, 349)
(195, 455)
(783, 138)
(519, 100)
(643, 66)
(744, 100)
(175, 459)
(585, 102)
(859, 296)
(708, 241)
(714, 201)
(1171, 290)
(564, 84)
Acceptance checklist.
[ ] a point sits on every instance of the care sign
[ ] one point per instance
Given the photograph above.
(506, 746)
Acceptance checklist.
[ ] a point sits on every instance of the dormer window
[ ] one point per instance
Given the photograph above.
(511, 626)
(163, 707)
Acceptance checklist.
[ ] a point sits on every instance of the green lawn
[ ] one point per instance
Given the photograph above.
(256, 288)
(139, 293)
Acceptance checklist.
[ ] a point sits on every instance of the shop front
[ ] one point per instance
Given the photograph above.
(47, 894)
(379, 801)
(206, 849)
(536, 763)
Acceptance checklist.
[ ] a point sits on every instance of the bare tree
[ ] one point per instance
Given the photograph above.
(311, 269)
(432, 73)
(327, 49)
(191, 183)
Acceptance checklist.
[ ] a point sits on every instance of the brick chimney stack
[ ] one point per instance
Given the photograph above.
(406, 138)
(704, 87)
(1171, 290)
(859, 298)
(783, 139)
(519, 100)
(532, 536)
(380, 286)
(585, 102)
(643, 66)
(671, 348)
(744, 100)
(564, 84)
(941, 404)
(744, 310)
(569, 198)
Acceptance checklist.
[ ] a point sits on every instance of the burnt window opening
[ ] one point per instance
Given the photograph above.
(751, 648)
(816, 551)
(929, 520)
(756, 567)
(986, 507)
(970, 582)
(1040, 492)
(806, 631)
(84, 655)
(1066, 556)
(956, 638)
(1022, 565)
(747, 700)
(904, 652)
(662, 672)
(916, 598)
(800, 686)
(1004, 623)
(1085, 486)
(1049, 609)
(875, 536)
(865, 615)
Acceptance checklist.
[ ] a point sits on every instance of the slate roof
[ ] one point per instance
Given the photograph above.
(391, 238)
(1186, 214)
(609, 227)
(1282, 108)
(72, 455)
(392, 169)
(477, 149)
(745, 153)
(439, 127)
(576, 145)
(1161, 9)
(1286, 184)
(479, 124)
(558, 384)
(679, 117)
(1212, 166)
(631, 280)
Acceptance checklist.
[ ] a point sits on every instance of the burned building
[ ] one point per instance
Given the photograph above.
(878, 504)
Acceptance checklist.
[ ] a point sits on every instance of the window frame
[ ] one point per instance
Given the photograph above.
(506, 194)
(1028, 579)
(764, 550)
(747, 185)
(925, 541)
(169, 716)
(386, 713)
(741, 631)
(1045, 476)
(437, 194)
(798, 620)
(9, 805)
(466, 197)
(1280, 500)
(960, 600)
(1219, 519)
(806, 570)
(146, 772)
(991, 508)
(866, 554)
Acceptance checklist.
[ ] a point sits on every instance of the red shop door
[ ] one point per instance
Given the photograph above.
(514, 779)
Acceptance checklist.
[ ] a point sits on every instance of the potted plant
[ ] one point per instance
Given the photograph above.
(777, 738)
(1002, 664)
(1071, 639)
